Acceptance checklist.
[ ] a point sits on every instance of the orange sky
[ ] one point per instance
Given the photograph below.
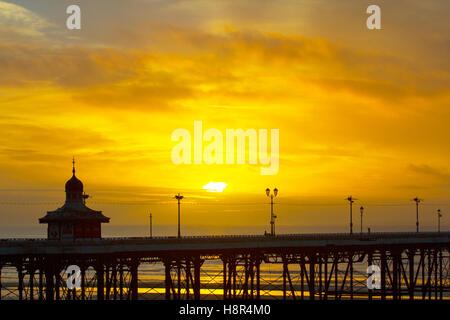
(359, 112)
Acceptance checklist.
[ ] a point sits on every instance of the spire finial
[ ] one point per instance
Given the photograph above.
(73, 165)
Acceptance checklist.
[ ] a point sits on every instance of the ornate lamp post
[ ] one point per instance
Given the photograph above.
(351, 200)
(272, 216)
(151, 226)
(179, 197)
(362, 211)
(439, 219)
(417, 201)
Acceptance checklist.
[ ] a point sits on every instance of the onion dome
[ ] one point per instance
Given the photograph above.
(74, 184)
(74, 187)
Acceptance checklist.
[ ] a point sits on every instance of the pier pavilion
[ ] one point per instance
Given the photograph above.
(74, 220)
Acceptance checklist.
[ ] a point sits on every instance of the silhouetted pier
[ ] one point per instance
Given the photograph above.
(312, 266)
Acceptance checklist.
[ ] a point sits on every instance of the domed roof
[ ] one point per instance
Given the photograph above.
(74, 185)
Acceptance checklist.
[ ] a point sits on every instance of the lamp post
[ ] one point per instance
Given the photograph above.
(362, 211)
(179, 197)
(272, 216)
(351, 200)
(439, 220)
(151, 226)
(417, 201)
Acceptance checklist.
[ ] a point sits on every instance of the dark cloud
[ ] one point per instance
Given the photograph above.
(155, 95)
(430, 171)
(28, 65)
(23, 141)
(119, 76)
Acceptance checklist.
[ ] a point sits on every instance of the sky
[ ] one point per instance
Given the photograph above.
(359, 112)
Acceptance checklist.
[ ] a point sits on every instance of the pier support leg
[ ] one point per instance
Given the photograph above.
(246, 274)
(83, 283)
(100, 282)
(49, 284)
(108, 282)
(412, 284)
(336, 277)
(20, 279)
(441, 288)
(121, 281)
(234, 280)
(325, 271)
(436, 273)
(422, 259)
(179, 279)
(430, 272)
(31, 289)
(350, 261)
(252, 278)
(197, 266)
(168, 279)
(302, 277)
(383, 274)
(284, 277)
(57, 284)
(395, 267)
(369, 263)
(114, 275)
(134, 280)
(320, 277)
(41, 283)
(258, 279)
(312, 276)
(224, 261)
(187, 276)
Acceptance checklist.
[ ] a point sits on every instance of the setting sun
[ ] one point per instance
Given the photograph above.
(215, 186)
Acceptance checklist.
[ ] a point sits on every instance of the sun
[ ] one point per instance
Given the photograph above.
(215, 186)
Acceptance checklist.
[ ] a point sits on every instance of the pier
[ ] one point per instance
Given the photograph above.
(312, 266)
